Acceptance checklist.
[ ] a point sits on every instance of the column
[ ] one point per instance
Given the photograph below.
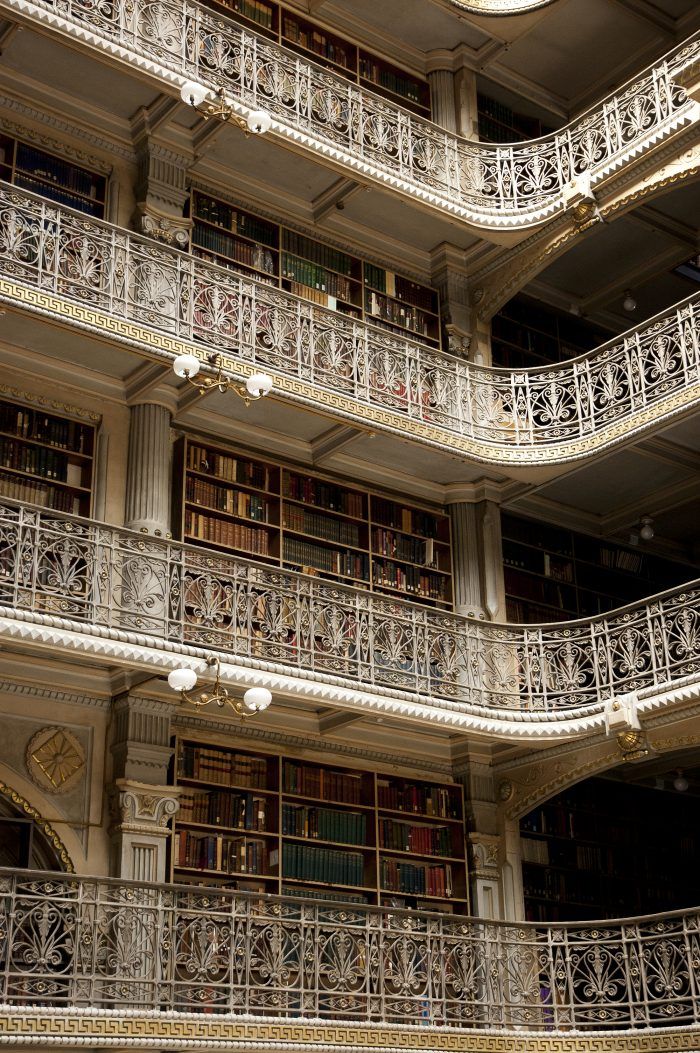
(467, 113)
(148, 484)
(448, 274)
(161, 185)
(478, 560)
(442, 98)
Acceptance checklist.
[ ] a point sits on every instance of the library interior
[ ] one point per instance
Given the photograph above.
(349, 505)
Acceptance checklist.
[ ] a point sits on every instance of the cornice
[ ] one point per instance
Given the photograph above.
(51, 694)
(63, 128)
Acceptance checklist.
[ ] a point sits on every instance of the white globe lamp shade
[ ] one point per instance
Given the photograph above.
(256, 699)
(259, 122)
(182, 679)
(193, 93)
(186, 366)
(258, 384)
(680, 783)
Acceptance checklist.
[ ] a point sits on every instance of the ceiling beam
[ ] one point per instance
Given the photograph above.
(662, 449)
(334, 198)
(144, 379)
(332, 722)
(661, 500)
(203, 134)
(314, 6)
(332, 441)
(632, 276)
(681, 232)
(7, 31)
(650, 13)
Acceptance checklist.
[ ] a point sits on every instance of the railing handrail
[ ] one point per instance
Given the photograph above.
(553, 413)
(490, 186)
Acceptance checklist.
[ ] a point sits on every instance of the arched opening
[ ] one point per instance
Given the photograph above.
(23, 840)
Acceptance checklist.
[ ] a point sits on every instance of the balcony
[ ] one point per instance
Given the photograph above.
(74, 576)
(104, 958)
(508, 187)
(161, 302)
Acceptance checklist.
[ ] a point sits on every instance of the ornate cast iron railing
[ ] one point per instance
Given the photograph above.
(513, 185)
(496, 7)
(509, 417)
(108, 944)
(97, 577)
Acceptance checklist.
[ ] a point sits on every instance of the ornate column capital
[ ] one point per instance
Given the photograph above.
(140, 814)
(485, 854)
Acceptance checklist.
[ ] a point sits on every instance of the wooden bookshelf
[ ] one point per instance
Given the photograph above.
(51, 176)
(525, 333)
(607, 849)
(276, 824)
(242, 241)
(555, 574)
(312, 523)
(500, 124)
(46, 459)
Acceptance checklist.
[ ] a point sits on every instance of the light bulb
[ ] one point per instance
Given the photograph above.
(256, 699)
(259, 122)
(193, 93)
(647, 530)
(680, 783)
(629, 303)
(182, 679)
(186, 366)
(258, 384)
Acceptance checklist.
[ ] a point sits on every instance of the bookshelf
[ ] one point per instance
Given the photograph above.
(273, 823)
(604, 848)
(46, 459)
(555, 574)
(322, 45)
(53, 177)
(242, 241)
(501, 124)
(526, 333)
(228, 500)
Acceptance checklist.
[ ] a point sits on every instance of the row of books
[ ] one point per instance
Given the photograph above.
(331, 865)
(620, 559)
(534, 851)
(423, 840)
(53, 431)
(407, 520)
(230, 469)
(307, 36)
(304, 522)
(317, 277)
(222, 532)
(231, 219)
(323, 495)
(327, 785)
(415, 879)
(54, 170)
(415, 294)
(528, 587)
(255, 10)
(397, 83)
(325, 894)
(38, 461)
(38, 494)
(324, 824)
(228, 855)
(409, 579)
(398, 546)
(317, 252)
(305, 292)
(428, 800)
(346, 564)
(402, 315)
(218, 808)
(56, 193)
(250, 255)
(235, 502)
(221, 766)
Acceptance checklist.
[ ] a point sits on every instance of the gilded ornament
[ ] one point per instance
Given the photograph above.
(55, 759)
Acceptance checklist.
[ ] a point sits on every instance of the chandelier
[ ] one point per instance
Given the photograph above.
(256, 386)
(255, 699)
(214, 104)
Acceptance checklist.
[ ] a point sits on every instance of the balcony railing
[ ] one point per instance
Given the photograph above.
(115, 945)
(95, 578)
(553, 413)
(514, 185)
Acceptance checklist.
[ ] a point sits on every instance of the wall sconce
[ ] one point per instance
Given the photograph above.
(200, 98)
(256, 386)
(255, 699)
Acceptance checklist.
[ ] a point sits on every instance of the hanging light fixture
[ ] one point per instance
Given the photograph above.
(629, 303)
(680, 783)
(647, 528)
(256, 386)
(255, 699)
(214, 104)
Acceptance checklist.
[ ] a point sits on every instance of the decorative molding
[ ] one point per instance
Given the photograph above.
(138, 808)
(11, 687)
(55, 760)
(497, 8)
(127, 1028)
(43, 824)
(46, 403)
(64, 128)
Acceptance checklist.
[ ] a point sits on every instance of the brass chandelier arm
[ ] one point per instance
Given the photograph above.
(254, 700)
(256, 386)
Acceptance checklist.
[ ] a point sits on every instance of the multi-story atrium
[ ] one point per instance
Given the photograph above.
(349, 491)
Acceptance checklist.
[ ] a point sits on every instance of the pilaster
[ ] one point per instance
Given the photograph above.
(466, 103)
(484, 842)
(161, 184)
(139, 829)
(448, 274)
(141, 747)
(149, 470)
(478, 560)
(442, 98)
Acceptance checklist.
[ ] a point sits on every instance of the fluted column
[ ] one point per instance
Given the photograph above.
(477, 560)
(148, 483)
(442, 98)
(466, 103)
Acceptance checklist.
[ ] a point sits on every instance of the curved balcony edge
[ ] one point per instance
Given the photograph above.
(135, 963)
(500, 187)
(496, 8)
(104, 590)
(128, 289)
